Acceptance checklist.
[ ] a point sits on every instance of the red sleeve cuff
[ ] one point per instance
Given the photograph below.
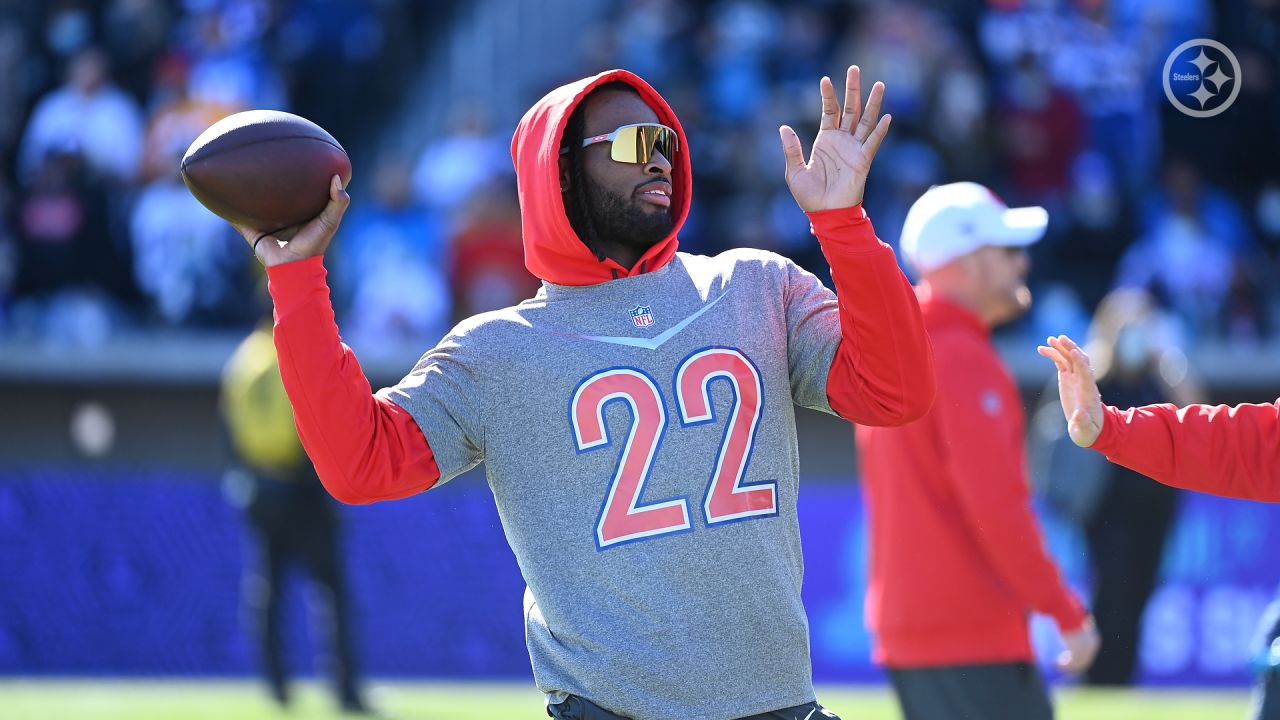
(848, 230)
(1072, 617)
(292, 284)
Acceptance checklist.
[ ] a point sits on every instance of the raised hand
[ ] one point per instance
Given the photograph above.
(847, 141)
(1077, 389)
(302, 241)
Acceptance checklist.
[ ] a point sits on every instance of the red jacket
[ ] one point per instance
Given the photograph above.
(957, 561)
(366, 448)
(1231, 451)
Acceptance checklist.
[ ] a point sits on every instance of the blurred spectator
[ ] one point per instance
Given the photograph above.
(89, 113)
(959, 121)
(486, 263)
(1040, 134)
(229, 65)
(330, 55)
(188, 262)
(389, 267)
(455, 166)
(1100, 224)
(904, 46)
(1106, 73)
(177, 118)
(1195, 238)
(58, 215)
(136, 33)
(292, 517)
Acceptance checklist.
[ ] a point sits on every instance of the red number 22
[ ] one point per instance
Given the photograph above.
(622, 516)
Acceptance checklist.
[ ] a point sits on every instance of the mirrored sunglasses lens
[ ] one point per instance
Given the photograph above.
(666, 142)
(636, 144)
(628, 146)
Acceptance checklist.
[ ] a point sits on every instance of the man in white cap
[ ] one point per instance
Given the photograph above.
(957, 559)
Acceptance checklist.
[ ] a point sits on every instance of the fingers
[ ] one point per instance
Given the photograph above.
(1072, 353)
(830, 109)
(1067, 342)
(871, 116)
(872, 145)
(339, 200)
(791, 150)
(852, 98)
(1052, 353)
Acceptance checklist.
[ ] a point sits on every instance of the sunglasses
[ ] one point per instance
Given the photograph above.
(636, 143)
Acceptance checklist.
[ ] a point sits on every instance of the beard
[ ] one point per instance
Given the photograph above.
(625, 220)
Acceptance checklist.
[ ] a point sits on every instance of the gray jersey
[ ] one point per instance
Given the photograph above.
(640, 441)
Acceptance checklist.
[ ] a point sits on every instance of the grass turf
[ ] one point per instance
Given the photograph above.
(242, 700)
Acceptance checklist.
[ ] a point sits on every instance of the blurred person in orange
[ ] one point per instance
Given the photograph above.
(957, 560)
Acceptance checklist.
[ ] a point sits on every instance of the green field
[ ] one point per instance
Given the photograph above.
(229, 700)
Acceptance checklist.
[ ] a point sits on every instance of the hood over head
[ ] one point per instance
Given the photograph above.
(552, 250)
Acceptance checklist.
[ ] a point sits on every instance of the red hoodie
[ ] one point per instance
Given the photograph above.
(957, 562)
(367, 448)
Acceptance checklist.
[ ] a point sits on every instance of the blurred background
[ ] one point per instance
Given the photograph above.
(121, 299)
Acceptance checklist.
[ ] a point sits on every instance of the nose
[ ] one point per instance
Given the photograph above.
(658, 165)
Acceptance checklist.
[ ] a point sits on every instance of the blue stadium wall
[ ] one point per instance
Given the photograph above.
(138, 573)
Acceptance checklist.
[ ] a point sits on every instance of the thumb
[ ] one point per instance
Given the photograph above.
(1081, 428)
(332, 214)
(791, 150)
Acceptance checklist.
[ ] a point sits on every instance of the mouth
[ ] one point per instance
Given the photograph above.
(657, 193)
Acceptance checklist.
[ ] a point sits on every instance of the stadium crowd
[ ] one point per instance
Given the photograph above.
(1051, 102)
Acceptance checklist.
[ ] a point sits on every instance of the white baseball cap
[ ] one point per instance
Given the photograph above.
(953, 220)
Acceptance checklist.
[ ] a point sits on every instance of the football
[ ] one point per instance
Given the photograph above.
(264, 169)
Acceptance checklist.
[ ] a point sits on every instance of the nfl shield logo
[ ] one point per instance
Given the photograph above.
(641, 316)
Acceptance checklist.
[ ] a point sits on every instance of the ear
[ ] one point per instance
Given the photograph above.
(564, 173)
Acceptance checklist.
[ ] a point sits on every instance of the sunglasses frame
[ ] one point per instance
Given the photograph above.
(612, 137)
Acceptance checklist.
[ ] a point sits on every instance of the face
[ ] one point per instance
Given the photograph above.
(1001, 275)
(630, 203)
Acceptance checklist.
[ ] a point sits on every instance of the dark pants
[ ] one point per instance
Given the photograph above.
(295, 524)
(1126, 538)
(1266, 692)
(576, 708)
(998, 691)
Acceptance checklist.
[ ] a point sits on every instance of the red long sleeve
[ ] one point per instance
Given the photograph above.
(979, 417)
(882, 373)
(1231, 451)
(365, 448)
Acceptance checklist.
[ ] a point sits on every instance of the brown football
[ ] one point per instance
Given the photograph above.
(264, 169)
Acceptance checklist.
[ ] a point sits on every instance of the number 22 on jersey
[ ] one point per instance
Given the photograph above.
(623, 516)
